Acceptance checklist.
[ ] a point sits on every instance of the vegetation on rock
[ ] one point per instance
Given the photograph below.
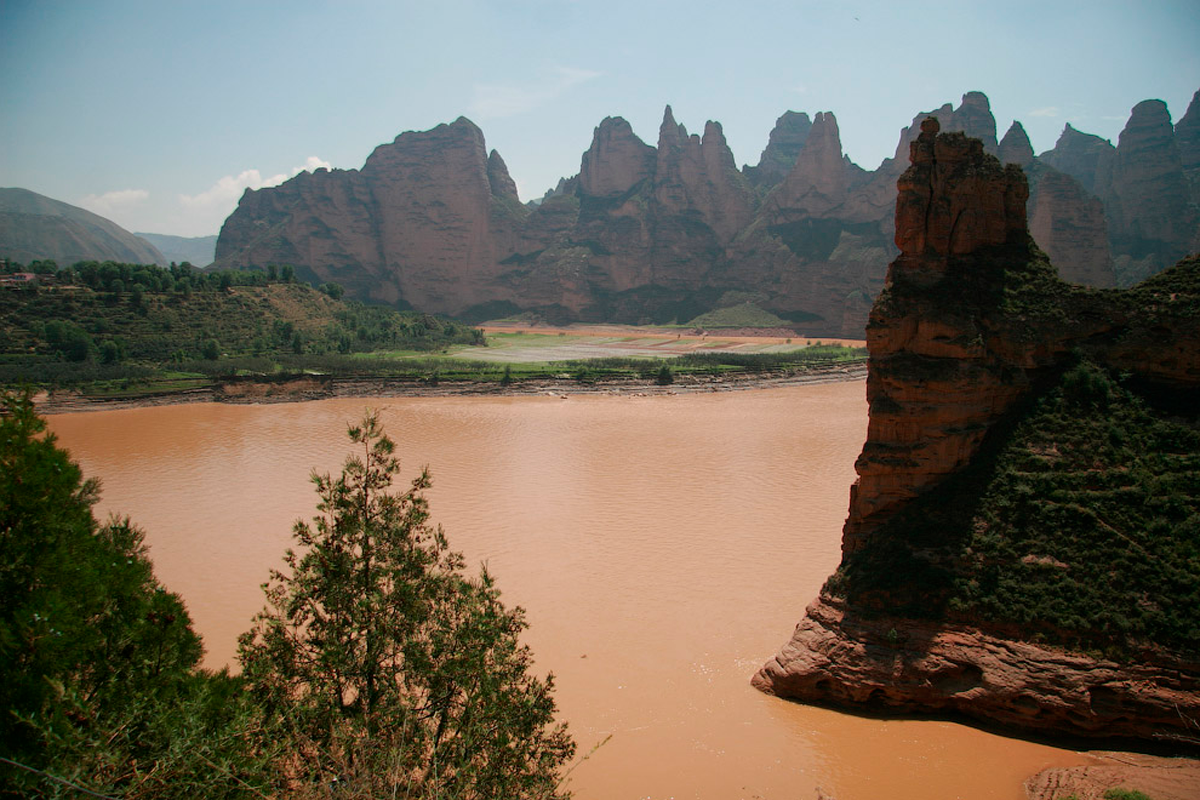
(1078, 524)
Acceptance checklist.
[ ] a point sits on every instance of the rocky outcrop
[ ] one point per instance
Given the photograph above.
(1150, 220)
(1015, 147)
(667, 231)
(425, 222)
(1068, 223)
(1154, 776)
(616, 162)
(894, 665)
(784, 144)
(972, 324)
(1085, 157)
(34, 227)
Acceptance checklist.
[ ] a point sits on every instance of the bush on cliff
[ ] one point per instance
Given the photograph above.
(1078, 524)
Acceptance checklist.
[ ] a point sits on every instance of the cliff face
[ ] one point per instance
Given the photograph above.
(972, 330)
(666, 231)
(783, 146)
(425, 221)
(1150, 220)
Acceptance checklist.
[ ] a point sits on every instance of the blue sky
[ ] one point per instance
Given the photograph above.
(158, 114)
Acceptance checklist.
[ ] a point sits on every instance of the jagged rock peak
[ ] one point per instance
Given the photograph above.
(499, 180)
(1015, 147)
(783, 146)
(616, 160)
(1085, 157)
(671, 132)
(818, 181)
(955, 199)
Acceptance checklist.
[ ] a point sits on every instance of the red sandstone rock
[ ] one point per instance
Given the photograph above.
(783, 146)
(419, 222)
(819, 180)
(1068, 224)
(898, 665)
(1015, 147)
(1148, 209)
(617, 160)
(649, 233)
(1155, 776)
(1086, 158)
(948, 360)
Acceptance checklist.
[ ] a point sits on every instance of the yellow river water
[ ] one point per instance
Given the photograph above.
(664, 547)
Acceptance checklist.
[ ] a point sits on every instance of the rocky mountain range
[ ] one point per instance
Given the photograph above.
(1005, 555)
(34, 227)
(654, 233)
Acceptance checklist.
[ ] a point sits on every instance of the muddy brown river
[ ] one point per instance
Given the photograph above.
(664, 548)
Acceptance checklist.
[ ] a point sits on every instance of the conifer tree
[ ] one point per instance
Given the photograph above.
(393, 673)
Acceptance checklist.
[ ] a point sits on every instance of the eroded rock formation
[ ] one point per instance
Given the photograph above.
(972, 325)
(666, 231)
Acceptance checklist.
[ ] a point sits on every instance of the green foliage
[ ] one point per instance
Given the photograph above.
(388, 669)
(101, 686)
(178, 314)
(743, 315)
(1125, 794)
(665, 376)
(1078, 523)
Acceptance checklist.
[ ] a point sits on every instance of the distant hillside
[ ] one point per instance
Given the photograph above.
(34, 227)
(108, 316)
(199, 251)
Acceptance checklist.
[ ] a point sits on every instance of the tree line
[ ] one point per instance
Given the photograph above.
(113, 276)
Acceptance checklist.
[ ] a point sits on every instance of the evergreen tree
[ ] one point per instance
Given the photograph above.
(393, 673)
(99, 684)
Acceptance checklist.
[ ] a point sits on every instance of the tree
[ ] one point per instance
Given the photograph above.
(394, 672)
(101, 686)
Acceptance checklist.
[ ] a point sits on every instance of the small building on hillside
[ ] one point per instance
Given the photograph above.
(19, 280)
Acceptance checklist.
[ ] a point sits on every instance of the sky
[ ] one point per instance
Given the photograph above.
(158, 115)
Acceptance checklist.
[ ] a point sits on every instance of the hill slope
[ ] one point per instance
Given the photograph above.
(34, 227)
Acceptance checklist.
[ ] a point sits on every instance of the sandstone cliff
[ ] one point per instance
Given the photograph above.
(784, 144)
(655, 232)
(996, 494)
(425, 221)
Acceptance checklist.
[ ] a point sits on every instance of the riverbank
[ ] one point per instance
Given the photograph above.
(324, 387)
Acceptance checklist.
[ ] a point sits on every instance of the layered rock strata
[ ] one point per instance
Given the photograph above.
(972, 322)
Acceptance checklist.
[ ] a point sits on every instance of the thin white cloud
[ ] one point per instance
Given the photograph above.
(208, 209)
(1047, 111)
(114, 203)
(494, 100)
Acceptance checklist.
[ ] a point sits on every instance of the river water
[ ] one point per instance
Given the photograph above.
(664, 547)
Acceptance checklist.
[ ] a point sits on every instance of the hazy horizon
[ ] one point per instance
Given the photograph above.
(158, 116)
